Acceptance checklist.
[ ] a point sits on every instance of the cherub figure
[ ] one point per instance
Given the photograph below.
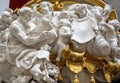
(111, 29)
(64, 15)
(47, 9)
(6, 19)
(65, 33)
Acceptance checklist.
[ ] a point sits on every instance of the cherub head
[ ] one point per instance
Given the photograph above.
(65, 28)
(64, 15)
(46, 7)
(81, 11)
(6, 17)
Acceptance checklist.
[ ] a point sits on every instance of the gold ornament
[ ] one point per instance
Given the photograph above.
(76, 68)
(110, 69)
(60, 77)
(92, 80)
(76, 79)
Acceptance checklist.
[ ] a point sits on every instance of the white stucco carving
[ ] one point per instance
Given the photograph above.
(28, 39)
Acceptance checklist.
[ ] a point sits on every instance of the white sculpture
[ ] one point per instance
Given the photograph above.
(47, 9)
(25, 36)
(29, 39)
(65, 33)
(85, 38)
(82, 36)
(24, 33)
(5, 20)
(112, 37)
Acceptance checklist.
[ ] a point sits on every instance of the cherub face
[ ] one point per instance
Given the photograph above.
(64, 15)
(7, 18)
(81, 11)
(65, 31)
(46, 9)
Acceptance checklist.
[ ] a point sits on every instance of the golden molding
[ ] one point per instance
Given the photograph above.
(91, 63)
(30, 3)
